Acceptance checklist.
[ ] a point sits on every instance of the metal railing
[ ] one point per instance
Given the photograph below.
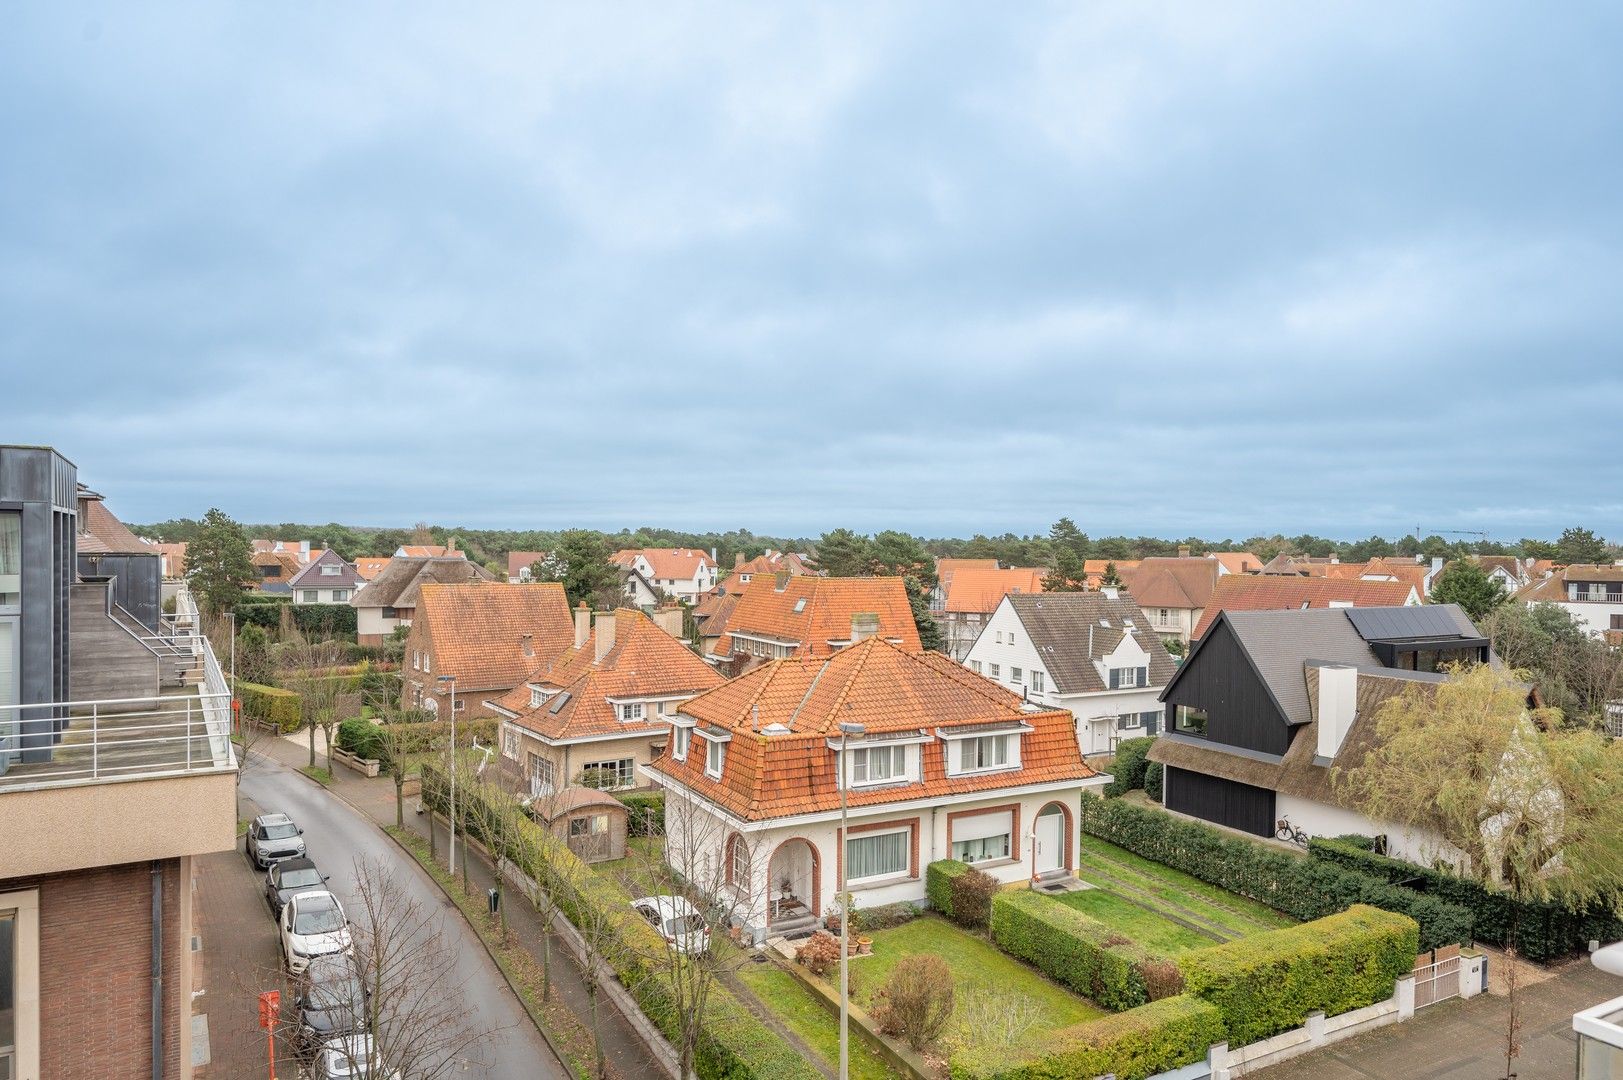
(116, 738)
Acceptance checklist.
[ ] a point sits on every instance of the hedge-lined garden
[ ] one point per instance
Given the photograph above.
(1150, 1039)
(324, 620)
(1078, 951)
(270, 706)
(1303, 888)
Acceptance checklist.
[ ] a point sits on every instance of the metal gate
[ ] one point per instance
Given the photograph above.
(1436, 976)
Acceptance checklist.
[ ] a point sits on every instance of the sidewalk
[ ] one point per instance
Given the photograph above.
(627, 1055)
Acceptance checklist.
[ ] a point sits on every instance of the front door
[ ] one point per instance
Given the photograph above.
(1050, 840)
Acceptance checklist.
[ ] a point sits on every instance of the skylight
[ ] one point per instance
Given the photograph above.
(800, 605)
(558, 703)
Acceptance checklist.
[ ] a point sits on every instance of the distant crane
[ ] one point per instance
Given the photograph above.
(1481, 536)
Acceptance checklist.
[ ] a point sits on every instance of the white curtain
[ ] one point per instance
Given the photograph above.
(11, 557)
(875, 856)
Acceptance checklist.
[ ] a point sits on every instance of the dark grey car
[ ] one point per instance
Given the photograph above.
(272, 838)
(288, 878)
(331, 1001)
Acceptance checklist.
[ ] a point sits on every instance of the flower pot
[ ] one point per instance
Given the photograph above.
(865, 946)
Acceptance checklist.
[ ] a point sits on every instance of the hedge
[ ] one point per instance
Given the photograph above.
(1543, 930)
(1071, 948)
(938, 883)
(646, 812)
(362, 738)
(422, 738)
(1303, 888)
(1154, 1038)
(1127, 771)
(271, 706)
(326, 619)
(733, 1043)
(1153, 780)
(1270, 982)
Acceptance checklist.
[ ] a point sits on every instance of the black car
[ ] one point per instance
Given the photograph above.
(288, 877)
(331, 1001)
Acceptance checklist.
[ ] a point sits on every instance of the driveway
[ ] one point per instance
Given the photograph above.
(239, 939)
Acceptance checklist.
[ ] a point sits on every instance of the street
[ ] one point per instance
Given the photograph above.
(240, 947)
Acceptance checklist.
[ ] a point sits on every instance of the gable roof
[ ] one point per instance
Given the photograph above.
(287, 566)
(825, 607)
(397, 584)
(370, 566)
(1071, 630)
(312, 577)
(945, 569)
(669, 564)
(1171, 583)
(518, 560)
(1282, 593)
(978, 590)
(1236, 562)
(101, 533)
(790, 770)
(1399, 569)
(478, 628)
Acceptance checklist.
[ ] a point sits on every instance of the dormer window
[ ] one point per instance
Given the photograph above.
(537, 698)
(878, 765)
(715, 758)
(985, 753)
(681, 739)
(329, 570)
(630, 711)
(1126, 678)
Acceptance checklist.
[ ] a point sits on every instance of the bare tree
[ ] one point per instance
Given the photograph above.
(395, 747)
(306, 669)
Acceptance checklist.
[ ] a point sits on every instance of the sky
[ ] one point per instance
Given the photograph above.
(1167, 269)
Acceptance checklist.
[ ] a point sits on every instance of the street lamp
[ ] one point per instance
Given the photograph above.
(847, 730)
(451, 864)
(232, 615)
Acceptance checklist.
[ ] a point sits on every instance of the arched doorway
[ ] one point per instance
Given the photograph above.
(794, 874)
(1051, 835)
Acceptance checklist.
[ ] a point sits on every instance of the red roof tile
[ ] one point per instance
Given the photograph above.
(815, 612)
(973, 589)
(478, 627)
(1282, 593)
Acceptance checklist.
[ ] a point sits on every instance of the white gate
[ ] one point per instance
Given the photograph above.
(1437, 976)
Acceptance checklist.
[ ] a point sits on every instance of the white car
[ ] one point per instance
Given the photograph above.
(675, 920)
(312, 925)
(352, 1057)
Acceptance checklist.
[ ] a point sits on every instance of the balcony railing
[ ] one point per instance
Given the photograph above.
(1602, 596)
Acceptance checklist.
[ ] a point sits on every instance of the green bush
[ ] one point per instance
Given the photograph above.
(646, 813)
(362, 738)
(1543, 931)
(1071, 948)
(1153, 780)
(270, 706)
(265, 598)
(1268, 983)
(1127, 771)
(318, 620)
(733, 1043)
(1154, 1038)
(938, 879)
(1303, 888)
(871, 920)
(425, 737)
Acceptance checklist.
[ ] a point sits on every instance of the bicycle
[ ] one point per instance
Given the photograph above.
(1286, 831)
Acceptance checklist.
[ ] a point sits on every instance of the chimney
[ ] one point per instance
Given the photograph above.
(605, 633)
(1338, 705)
(526, 644)
(864, 624)
(738, 559)
(1183, 551)
(782, 581)
(583, 624)
(669, 619)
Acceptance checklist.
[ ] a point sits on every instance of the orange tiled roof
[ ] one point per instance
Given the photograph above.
(1171, 583)
(477, 629)
(644, 662)
(1404, 570)
(518, 560)
(1271, 592)
(885, 688)
(826, 606)
(370, 566)
(1237, 562)
(1094, 569)
(426, 551)
(982, 590)
(670, 564)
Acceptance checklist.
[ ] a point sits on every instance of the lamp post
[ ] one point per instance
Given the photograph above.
(451, 862)
(232, 615)
(846, 731)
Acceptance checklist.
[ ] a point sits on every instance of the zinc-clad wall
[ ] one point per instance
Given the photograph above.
(1239, 709)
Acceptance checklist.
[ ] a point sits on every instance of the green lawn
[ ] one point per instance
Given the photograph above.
(642, 872)
(318, 773)
(994, 991)
(808, 1018)
(1161, 936)
(1109, 866)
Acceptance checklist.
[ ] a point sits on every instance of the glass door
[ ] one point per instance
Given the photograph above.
(8, 995)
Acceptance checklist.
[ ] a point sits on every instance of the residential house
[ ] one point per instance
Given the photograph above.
(172, 558)
(108, 551)
(1236, 562)
(1417, 571)
(944, 571)
(1270, 703)
(1592, 594)
(1089, 653)
(430, 551)
(1269, 592)
(99, 823)
(1299, 565)
(299, 549)
(685, 573)
(1510, 571)
(389, 600)
(786, 616)
(1094, 570)
(274, 570)
(972, 596)
(487, 636)
(945, 764)
(368, 567)
(771, 562)
(519, 563)
(601, 711)
(326, 579)
(1173, 592)
(711, 613)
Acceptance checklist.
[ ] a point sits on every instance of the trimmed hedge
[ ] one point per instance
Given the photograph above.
(1153, 778)
(322, 619)
(362, 738)
(646, 812)
(1071, 948)
(271, 706)
(733, 1043)
(1543, 931)
(1154, 1038)
(1270, 982)
(938, 878)
(422, 738)
(1303, 888)
(1127, 771)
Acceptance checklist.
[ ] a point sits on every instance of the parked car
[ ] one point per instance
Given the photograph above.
(288, 877)
(272, 838)
(349, 1057)
(676, 920)
(331, 1001)
(313, 925)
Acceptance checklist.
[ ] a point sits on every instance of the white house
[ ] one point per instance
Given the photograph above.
(945, 765)
(326, 579)
(1591, 594)
(1094, 655)
(685, 573)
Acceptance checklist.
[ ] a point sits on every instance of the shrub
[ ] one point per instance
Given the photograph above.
(362, 738)
(425, 737)
(938, 879)
(1152, 780)
(646, 813)
(1270, 982)
(883, 917)
(1127, 771)
(1542, 931)
(271, 706)
(1154, 1038)
(916, 1001)
(820, 953)
(1071, 948)
(1162, 978)
(1303, 888)
(972, 893)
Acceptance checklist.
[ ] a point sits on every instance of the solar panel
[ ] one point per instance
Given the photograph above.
(1385, 623)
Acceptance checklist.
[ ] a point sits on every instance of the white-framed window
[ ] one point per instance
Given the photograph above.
(1036, 680)
(738, 866)
(311, 596)
(416, 660)
(975, 666)
(542, 775)
(510, 740)
(1011, 637)
(329, 570)
(1016, 675)
(1163, 616)
(340, 596)
(612, 775)
(878, 764)
(715, 758)
(999, 634)
(1129, 721)
(428, 662)
(681, 739)
(1125, 678)
(986, 752)
(984, 837)
(19, 984)
(994, 670)
(537, 698)
(629, 711)
(878, 855)
(664, 708)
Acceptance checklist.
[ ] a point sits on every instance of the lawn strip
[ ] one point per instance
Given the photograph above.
(1137, 867)
(1156, 930)
(782, 996)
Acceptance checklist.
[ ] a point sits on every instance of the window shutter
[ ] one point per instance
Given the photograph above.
(1115, 678)
(1152, 723)
(1144, 676)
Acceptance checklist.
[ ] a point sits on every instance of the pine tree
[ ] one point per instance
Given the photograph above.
(219, 562)
(1465, 583)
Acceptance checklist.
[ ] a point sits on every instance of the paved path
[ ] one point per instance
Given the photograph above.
(337, 836)
(1464, 1040)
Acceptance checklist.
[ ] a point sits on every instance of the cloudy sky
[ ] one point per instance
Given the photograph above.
(1210, 269)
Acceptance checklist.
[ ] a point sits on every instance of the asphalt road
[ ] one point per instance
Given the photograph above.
(336, 837)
